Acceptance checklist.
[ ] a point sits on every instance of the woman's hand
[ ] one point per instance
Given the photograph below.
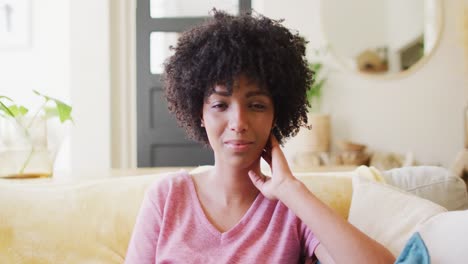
(271, 187)
(340, 242)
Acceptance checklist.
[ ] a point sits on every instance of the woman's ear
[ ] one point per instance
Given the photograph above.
(202, 123)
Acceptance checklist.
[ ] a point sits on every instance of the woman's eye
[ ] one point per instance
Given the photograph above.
(219, 106)
(257, 106)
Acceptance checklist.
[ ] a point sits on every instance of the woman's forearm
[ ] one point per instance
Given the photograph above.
(344, 242)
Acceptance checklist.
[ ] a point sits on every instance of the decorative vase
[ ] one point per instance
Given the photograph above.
(317, 139)
(28, 148)
(314, 143)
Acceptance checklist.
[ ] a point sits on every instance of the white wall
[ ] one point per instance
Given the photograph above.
(421, 112)
(367, 30)
(405, 24)
(407, 15)
(90, 84)
(43, 65)
(68, 58)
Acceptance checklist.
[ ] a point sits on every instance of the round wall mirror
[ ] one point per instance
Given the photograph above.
(382, 37)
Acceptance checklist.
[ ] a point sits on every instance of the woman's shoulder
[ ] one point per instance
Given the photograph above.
(170, 179)
(169, 182)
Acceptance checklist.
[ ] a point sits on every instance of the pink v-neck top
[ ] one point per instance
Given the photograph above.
(172, 228)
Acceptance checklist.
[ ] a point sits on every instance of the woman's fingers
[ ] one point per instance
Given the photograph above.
(274, 156)
(266, 156)
(273, 141)
(275, 147)
(266, 152)
(257, 180)
(278, 160)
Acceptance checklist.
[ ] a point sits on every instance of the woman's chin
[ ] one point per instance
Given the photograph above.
(243, 162)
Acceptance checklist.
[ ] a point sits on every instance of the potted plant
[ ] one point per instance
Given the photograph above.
(319, 135)
(314, 94)
(314, 142)
(30, 140)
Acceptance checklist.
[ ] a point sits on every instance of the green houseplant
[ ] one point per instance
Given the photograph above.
(314, 94)
(315, 141)
(29, 140)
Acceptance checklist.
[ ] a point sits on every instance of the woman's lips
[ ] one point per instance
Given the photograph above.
(238, 145)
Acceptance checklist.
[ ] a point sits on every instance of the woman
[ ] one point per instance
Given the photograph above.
(238, 84)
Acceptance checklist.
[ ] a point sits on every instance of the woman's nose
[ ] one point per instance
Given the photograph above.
(238, 120)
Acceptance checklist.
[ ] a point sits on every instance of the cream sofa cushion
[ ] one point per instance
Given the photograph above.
(430, 182)
(87, 222)
(387, 214)
(446, 237)
(334, 189)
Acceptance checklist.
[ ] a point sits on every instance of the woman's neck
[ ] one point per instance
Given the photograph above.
(233, 183)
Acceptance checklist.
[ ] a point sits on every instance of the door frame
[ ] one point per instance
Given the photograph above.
(123, 83)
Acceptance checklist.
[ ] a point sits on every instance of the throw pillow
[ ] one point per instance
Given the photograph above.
(446, 237)
(415, 252)
(430, 182)
(387, 214)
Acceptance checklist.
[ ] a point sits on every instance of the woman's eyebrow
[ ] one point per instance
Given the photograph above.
(222, 93)
(247, 95)
(255, 93)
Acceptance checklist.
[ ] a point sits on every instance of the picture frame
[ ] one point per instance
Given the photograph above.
(15, 24)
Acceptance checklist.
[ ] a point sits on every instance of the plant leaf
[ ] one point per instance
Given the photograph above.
(59, 111)
(18, 110)
(8, 98)
(6, 110)
(316, 67)
(47, 98)
(314, 93)
(320, 84)
(51, 112)
(13, 110)
(63, 110)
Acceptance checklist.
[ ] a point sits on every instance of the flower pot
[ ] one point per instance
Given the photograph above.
(313, 144)
(27, 148)
(316, 139)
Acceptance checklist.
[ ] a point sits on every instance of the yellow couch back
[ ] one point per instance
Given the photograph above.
(91, 222)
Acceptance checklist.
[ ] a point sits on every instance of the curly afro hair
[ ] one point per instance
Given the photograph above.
(222, 49)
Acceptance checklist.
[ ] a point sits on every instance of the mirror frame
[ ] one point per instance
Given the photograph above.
(403, 74)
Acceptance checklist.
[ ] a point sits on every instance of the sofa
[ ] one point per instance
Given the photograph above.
(91, 221)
